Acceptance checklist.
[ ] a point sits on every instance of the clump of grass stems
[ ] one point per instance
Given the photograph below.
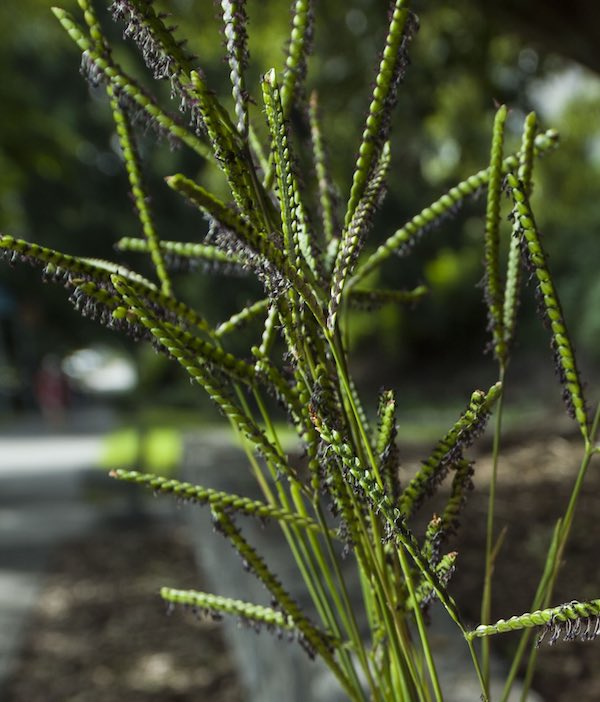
(310, 270)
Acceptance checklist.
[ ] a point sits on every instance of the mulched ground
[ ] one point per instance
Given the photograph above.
(100, 633)
(535, 483)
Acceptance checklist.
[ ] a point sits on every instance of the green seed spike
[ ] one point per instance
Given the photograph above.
(288, 395)
(341, 494)
(374, 299)
(461, 485)
(432, 541)
(386, 414)
(318, 642)
(298, 50)
(326, 402)
(101, 295)
(287, 323)
(269, 333)
(352, 465)
(226, 216)
(572, 619)
(327, 193)
(61, 265)
(443, 570)
(162, 53)
(262, 373)
(448, 451)
(181, 249)
(493, 292)
(513, 268)
(67, 268)
(231, 152)
(382, 504)
(184, 314)
(108, 268)
(527, 152)
(536, 259)
(214, 604)
(204, 351)
(295, 237)
(310, 440)
(236, 39)
(221, 500)
(132, 165)
(354, 235)
(256, 240)
(391, 70)
(100, 304)
(282, 156)
(213, 356)
(89, 14)
(201, 374)
(385, 448)
(127, 87)
(242, 317)
(97, 302)
(447, 205)
(210, 204)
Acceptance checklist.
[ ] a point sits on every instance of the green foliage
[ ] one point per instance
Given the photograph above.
(260, 221)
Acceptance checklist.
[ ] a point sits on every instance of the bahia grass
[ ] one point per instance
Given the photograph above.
(310, 268)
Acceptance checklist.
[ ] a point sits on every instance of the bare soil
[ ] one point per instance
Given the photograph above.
(100, 632)
(535, 481)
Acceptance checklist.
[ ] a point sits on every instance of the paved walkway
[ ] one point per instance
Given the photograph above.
(42, 474)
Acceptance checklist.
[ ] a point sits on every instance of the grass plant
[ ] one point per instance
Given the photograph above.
(313, 257)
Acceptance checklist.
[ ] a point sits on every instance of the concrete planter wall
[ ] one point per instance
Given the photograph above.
(271, 669)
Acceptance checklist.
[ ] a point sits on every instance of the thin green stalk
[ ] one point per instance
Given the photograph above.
(346, 662)
(486, 602)
(342, 375)
(527, 632)
(321, 568)
(484, 694)
(383, 600)
(380, 558)
(320, 598)
(531, 663)
(421, 626)
(314, 566)
(401, 646)
(343, 603)
(283, 500)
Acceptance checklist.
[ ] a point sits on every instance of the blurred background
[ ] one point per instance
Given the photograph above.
(76, 398)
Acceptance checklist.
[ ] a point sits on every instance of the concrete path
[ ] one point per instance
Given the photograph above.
(41, 504)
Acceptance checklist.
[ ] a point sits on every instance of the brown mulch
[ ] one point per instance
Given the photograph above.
(100, 632)
(535, 481)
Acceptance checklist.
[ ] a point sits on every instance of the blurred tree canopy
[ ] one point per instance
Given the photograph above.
(62, 183)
